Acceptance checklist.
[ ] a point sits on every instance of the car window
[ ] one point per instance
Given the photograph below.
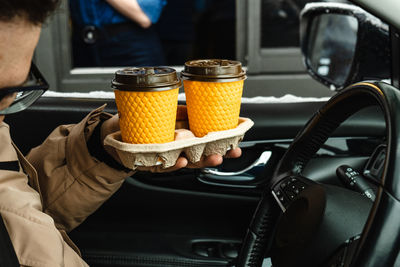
(262, 34)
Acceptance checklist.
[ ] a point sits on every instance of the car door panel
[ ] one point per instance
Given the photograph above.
(181, 218)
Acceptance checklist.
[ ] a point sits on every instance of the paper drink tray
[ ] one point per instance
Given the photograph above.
(166, 154)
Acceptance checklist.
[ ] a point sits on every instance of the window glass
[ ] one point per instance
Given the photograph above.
(215, 29)
(280, 22)
(182, 30)
(105, 36)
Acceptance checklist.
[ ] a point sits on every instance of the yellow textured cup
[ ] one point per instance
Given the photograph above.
(147, 101)
(213, 91)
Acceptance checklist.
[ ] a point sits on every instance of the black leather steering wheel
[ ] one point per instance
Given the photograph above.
(303, 230)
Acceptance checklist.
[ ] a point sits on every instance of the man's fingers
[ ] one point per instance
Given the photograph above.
(209, 161)
(234, 153)
(181, 162)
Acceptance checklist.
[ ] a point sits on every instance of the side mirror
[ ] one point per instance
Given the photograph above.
(343, 44)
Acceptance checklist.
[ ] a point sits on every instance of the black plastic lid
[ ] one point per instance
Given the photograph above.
(213, 70)
(146, 79)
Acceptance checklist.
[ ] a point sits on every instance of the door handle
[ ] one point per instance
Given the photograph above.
(244, 178)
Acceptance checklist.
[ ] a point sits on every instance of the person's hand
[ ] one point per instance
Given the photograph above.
(182, 162)
(112, 125)
(131, 9)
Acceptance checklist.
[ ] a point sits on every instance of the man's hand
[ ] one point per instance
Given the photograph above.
(112, 125)
(182, 162)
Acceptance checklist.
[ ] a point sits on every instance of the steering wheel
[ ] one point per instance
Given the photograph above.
(322, 225)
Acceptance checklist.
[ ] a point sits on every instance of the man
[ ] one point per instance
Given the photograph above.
(70, 175)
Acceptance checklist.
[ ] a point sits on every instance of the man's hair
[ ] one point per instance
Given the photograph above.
(35, 11)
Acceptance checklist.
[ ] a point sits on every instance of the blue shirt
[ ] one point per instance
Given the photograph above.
(99, 12)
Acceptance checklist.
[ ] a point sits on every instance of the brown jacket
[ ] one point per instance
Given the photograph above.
(57, 186)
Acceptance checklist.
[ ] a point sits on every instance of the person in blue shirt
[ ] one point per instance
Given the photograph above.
(113, 33)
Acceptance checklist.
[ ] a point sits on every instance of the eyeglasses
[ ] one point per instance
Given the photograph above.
(27, 93)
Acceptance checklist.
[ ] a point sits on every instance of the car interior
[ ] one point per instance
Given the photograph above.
(317, 182)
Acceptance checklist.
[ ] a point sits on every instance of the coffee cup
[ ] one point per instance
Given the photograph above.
(213, 89)
(146, 100)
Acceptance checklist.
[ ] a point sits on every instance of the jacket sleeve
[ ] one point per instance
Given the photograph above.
(35, 238)
(73, 183)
